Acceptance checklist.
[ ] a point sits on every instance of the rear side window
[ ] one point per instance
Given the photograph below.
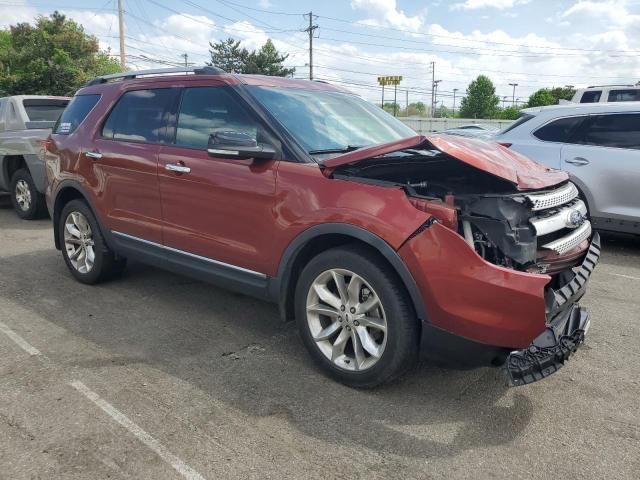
(629, 95)
(44, 110)
(560, 130)
(206, 109)
(592, 96)
(75, 113)
(139, 116)
(525, 117)
(619, 131)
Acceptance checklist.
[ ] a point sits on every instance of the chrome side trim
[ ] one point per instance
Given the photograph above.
(559, 220)
(566, 243)
(191, 255)
(542, 201)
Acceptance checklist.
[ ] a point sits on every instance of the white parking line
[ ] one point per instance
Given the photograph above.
(630, 277)
(185, 470)
(21, 342)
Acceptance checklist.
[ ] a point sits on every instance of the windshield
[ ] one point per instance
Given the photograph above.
(329, 123)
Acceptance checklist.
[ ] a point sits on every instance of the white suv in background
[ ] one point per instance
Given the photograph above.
(607, 93)
(598, 144)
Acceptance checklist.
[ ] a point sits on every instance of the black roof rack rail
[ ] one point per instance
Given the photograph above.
(206, 70)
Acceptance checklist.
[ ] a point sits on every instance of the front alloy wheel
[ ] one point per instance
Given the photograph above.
(346, 319)
(78, 242)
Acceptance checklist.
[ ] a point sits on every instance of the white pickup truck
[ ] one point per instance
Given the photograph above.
(25, 123)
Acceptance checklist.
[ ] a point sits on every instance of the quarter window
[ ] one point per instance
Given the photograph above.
(204, 110)
(75, 113)
(620, 131)
(592, 96)
(139, 116)
(560, 130)
(629, 95)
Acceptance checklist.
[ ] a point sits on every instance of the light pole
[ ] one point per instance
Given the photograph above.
(513, 98)
(390, 80)
(454, 100)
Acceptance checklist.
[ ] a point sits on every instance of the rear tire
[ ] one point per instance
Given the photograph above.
(27, 201)
(375, 313)
(85, 252)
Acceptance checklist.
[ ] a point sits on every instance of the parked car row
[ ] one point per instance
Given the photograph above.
(25, 122)
(598, 144)
(381, 244)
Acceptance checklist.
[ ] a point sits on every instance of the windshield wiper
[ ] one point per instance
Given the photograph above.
(347, 149)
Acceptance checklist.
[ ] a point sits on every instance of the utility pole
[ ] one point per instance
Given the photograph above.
(433, 87)
(391, 80)
(435, 95)
(406, 105)
(123, 63)
(513, 98)
(310, 29)
(454, 100)
(504, 99)
(185, 56)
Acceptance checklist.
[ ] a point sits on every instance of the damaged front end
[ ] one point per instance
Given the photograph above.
(511, 218)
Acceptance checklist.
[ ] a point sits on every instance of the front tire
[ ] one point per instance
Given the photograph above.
(355, 317)
(85, 252)
(27, 201)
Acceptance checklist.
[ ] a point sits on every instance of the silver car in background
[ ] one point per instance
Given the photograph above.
(598, 144)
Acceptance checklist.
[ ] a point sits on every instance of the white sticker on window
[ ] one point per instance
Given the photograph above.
(64, 127)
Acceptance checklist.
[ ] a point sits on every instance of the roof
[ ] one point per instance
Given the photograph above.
(207, 72)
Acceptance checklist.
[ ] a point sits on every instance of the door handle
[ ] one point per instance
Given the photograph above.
(577, 161)
(93, 155)
(172, 167)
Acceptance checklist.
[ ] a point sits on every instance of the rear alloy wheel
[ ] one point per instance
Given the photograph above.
(355, 318)
(85, 252)
(27, 202)
(78, 242)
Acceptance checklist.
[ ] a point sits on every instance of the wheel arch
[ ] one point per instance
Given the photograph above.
(67, 192)
(320, 238)
(10, 165)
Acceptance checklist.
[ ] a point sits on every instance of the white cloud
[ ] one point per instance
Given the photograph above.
(266, 4)
(386, 13)
(10, 15)
(497, 4)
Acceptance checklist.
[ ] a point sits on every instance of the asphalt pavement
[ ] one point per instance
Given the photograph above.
(159, 376)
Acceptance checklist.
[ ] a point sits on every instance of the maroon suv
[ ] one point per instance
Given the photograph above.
(379, 242)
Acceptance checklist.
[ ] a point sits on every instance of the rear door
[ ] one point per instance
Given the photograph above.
(604, 158)
(220, 209)
(125, 155)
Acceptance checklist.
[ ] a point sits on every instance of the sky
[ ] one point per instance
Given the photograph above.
(534, 43)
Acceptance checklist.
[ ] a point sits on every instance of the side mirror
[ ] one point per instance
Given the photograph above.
(233, 144)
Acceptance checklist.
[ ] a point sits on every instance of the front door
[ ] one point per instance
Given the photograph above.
(606, 160)
(213, 207)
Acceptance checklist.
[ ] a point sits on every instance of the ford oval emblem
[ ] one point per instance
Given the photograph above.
(575, 219)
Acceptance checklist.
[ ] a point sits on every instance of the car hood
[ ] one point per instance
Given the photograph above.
(488, 156)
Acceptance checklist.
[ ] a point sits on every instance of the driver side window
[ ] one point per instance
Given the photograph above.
(205, 110)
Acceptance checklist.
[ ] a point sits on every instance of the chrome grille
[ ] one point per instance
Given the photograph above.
(542, 201)
(575, 238)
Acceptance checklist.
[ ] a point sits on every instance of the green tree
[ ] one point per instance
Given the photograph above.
(509, 113)
(481, 100)
(550, 96)
(53, 57)
(390, 106)
(268, 61)
(541, 98)
(416, 109)
(229, 56)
